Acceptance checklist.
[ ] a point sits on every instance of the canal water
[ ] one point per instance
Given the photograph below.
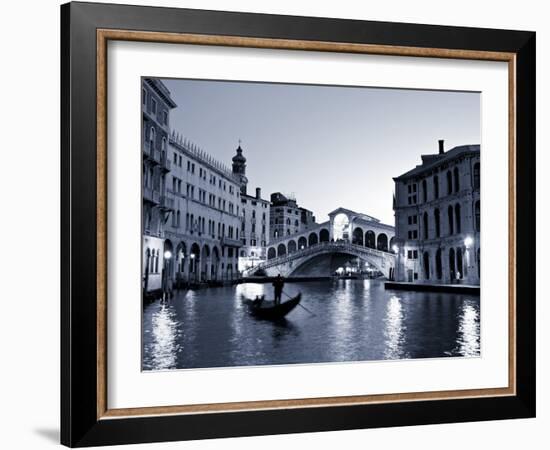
(354, 320)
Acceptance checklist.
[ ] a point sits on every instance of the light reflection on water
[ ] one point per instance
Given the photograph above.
(354, 320)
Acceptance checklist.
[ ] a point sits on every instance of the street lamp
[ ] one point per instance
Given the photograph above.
(468, 241)
(395, 248)
(167, 254)
(192, 256)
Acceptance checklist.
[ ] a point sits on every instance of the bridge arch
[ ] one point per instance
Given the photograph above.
(324, 235)
(271, 253)
(382, 242)
(281, 250)
(302, 242)
(370, 239)
(291, 246)
(357, 236)
(313, 239)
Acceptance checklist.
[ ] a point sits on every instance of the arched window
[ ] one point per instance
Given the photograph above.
(459, 266)
(477, 216)
(424, 191)
(152, 135)
(313, 239)
(436, 186)
(478, 262)
(458, 218)
(438, 271)
(288, 221)
(437, 221)
(426, 266)
(449, 182)
(382, 242)
(357, 236)
(425, 225)
(296, 223)
(291, 247)
(147, 260)
(452, 273)
(457, 180)
(476, 176)
(451, 220)
(370, 240)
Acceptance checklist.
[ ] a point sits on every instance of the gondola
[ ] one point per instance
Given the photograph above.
(266, 309)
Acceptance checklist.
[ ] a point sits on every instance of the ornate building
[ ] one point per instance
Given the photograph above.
(437, 218)
(157, 203)
(287, 218)
(254, 218)
(191, 204)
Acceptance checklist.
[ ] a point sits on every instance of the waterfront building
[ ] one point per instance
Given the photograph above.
(191, 204)
(157, 205)
(204, 230)
(254, 218)
(437, 218)
(286, 218)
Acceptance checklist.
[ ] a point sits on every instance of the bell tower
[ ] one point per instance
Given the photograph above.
(239, 168)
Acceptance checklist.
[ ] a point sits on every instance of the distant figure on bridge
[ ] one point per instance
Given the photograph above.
(278, 285)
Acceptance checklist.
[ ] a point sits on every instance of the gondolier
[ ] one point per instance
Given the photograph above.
(278, 285)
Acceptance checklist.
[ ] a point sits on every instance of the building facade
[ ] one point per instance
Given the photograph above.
(191, 205)
(287, 218)
(157, 203)
(437, 218)
(254, 218)
(203, 232)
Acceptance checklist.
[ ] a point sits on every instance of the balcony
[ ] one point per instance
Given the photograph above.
(150, 153)
(151, 195)
(228, 242)
(166, 203)
(165, 163)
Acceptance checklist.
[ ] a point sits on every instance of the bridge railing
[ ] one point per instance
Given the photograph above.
(317, 248)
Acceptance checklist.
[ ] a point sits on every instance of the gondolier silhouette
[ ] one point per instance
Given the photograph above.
(278, 285)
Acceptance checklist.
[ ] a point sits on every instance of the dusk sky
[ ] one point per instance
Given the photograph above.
(330, 146)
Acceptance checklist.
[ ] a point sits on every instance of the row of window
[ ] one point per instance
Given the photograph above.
(200, 225)
(278, 221)
(453, 185)
(454, 222)
(152, 107)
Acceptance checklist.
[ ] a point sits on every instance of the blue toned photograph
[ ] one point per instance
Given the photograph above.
(300, 224)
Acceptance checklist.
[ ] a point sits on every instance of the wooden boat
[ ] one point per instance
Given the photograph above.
(266, 309)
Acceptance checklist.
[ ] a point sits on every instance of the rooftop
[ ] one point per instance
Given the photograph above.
(431, 161)
(185, 145)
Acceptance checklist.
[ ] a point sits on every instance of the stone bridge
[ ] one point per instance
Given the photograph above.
(296, 263)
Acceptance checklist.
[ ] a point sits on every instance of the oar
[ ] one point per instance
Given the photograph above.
(299, 304)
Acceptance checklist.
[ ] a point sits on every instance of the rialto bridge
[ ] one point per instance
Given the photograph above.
(314, 252)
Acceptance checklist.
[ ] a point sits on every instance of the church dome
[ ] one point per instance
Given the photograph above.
(239, 158)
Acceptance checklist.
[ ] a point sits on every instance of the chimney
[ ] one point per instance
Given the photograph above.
(441, 150)
(258, 193)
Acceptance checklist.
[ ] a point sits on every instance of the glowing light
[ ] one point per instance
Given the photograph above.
(395, 248)
(167, 254)
(192, 256)
(468, 241)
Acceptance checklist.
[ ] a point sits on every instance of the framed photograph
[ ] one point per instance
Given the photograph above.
(277, 224)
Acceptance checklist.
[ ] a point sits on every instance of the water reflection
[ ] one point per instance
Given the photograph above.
(394, 330)
(164, 346)
(353, 320)
(468, 330)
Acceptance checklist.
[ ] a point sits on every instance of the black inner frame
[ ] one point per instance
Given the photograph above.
(79, 424)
